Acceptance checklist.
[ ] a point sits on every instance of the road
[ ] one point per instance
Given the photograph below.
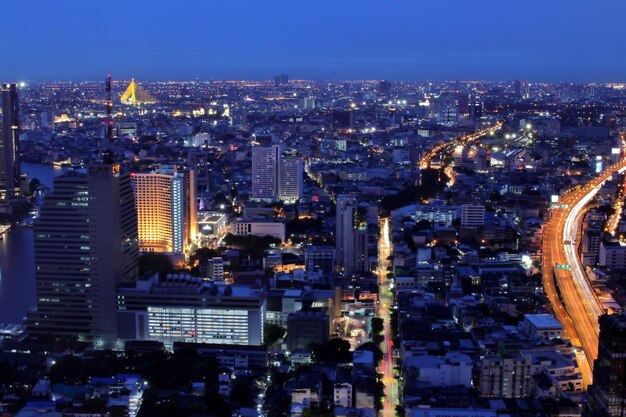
(448, 147)
(569, 291)
(385, 298)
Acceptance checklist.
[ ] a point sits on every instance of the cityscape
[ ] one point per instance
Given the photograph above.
(286, 245)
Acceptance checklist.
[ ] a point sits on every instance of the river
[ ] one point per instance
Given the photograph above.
(17, 258)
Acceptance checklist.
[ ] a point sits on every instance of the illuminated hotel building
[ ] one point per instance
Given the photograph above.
(187, 309)
(85, 245)
(166, 209)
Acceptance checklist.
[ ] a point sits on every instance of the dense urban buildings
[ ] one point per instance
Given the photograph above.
(297, 247)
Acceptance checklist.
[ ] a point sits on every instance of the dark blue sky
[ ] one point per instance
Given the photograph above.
(575, 40)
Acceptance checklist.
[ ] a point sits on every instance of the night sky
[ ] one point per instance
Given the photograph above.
(550, 40)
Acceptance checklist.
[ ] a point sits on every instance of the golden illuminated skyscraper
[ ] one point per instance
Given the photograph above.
(166, 209)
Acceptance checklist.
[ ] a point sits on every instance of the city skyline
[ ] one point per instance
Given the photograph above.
(312, 209)
(351, 40)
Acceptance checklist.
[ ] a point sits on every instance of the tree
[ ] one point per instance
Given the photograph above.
(433, 182)
(423, 225)
(254, 246)
(7, 372)
(378, 328)
(200, 256)
(150, 262)
(272, 333)
(244, 391)
(33, 185)
(67, 369)
(335, 351)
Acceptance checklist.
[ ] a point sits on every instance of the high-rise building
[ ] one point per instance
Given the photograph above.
(9, 142)
(276, 176)
(607, 396)
(265, 160)
(85, 245)
(350, 235)
(167, 218)
(290, 178)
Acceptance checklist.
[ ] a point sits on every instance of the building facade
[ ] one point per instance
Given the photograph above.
(607, 396)
(9, 142)
(350, 236)
(276, 175)
(85, 245)
(166, 209)
(188, 309)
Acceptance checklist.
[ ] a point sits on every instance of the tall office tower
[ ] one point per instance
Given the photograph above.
(265, 160)
(276, 176)
(350, 235)
(166, 209)
(607, 396)
(9, 142)
(290, 178)
(85, 245)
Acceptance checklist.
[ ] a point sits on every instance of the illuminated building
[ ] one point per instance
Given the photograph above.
(612, 255)
(85, 244)
(350, 236)
(188, 309)
(265, 160)
(9, 142)
(607, 395)
(276, 176)
(245, 226)
(211, 223)
(166, 209)
(290, 178)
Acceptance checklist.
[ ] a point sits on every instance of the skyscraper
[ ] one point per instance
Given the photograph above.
(9, 141)
(290, 179)
(350, 235)
(85, 244)
(276, 175)
(166, 209)
(607, 396)
(265, 160)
